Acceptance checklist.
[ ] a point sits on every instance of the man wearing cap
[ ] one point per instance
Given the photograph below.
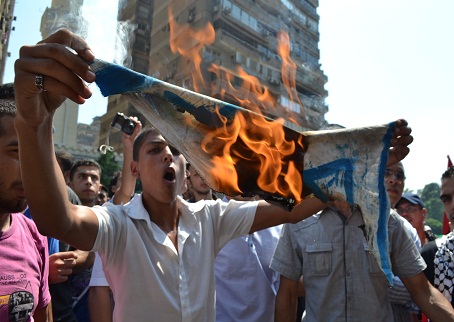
(411, 207)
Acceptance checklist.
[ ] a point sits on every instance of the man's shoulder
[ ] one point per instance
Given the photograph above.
(112, 212)
(24, 221)
(28, 226)
(306, 223)
(395, 220)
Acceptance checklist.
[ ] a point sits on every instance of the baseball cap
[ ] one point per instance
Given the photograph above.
(412, 198)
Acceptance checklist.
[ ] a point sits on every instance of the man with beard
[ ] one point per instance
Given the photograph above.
(444, 257)
(24, 290)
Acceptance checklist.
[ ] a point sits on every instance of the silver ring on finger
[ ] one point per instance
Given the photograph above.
(39, 82)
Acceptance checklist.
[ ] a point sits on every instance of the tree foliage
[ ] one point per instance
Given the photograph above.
(431, 197)
(109, 166)
(436, 226)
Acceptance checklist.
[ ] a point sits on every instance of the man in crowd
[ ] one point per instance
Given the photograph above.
(404, 310)
(245, 285)
(444, 258)
(341, 278)
(85, 180)
(200, 190)
(24, 267)
(412, 208)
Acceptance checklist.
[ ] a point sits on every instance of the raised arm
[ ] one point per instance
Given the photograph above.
(128, 182)
(47, 74)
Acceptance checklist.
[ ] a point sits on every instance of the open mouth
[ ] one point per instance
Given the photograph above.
(169, 174)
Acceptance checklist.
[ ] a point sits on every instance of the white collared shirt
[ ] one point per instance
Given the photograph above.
(150, 279)
(246, 287)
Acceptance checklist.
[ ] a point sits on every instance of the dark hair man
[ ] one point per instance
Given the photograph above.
(24, 267)
(85, 180)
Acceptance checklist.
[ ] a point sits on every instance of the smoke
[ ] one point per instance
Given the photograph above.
(110, 40)
(101, 17)
(123, 43)
(65, 17)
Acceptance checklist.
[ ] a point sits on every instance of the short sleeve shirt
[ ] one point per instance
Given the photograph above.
(149, 277)
(343, 282)
(24, 270)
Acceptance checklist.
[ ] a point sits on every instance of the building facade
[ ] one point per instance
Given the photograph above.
(88, 134)
(247, 35)
(6, 20)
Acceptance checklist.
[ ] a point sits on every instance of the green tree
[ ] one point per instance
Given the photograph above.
(436, 226)
(431, 197)
(109, 166)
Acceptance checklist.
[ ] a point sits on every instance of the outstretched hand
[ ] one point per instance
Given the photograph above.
(63, 72)
(399, 143)
(60, 266)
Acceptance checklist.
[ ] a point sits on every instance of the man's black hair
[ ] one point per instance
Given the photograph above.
(65, 159)
(7, 108)
(140, 140)
(83, 163)
(448, 173)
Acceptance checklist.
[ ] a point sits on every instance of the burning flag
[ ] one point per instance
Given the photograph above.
(238, 151)
(221, 140)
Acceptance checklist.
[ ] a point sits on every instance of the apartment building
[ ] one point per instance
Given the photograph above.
(246, 35)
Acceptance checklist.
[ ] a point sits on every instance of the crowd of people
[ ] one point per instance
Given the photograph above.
(179, 251)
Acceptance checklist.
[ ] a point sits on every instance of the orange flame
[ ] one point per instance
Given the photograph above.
(288, 68)
(266, 139)
(251, 137)
(251, 94)
(188, 43)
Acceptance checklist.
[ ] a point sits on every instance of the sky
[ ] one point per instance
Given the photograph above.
(384, 59)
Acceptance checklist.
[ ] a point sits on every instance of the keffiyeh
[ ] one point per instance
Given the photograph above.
(444, 267)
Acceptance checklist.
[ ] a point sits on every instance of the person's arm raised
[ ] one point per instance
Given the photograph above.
(63, 74)
(128, 182)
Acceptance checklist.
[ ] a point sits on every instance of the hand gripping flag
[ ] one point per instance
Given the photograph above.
(346, 164)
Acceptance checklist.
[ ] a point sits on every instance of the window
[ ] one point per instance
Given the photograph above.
(239, 14)
(290, 105)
